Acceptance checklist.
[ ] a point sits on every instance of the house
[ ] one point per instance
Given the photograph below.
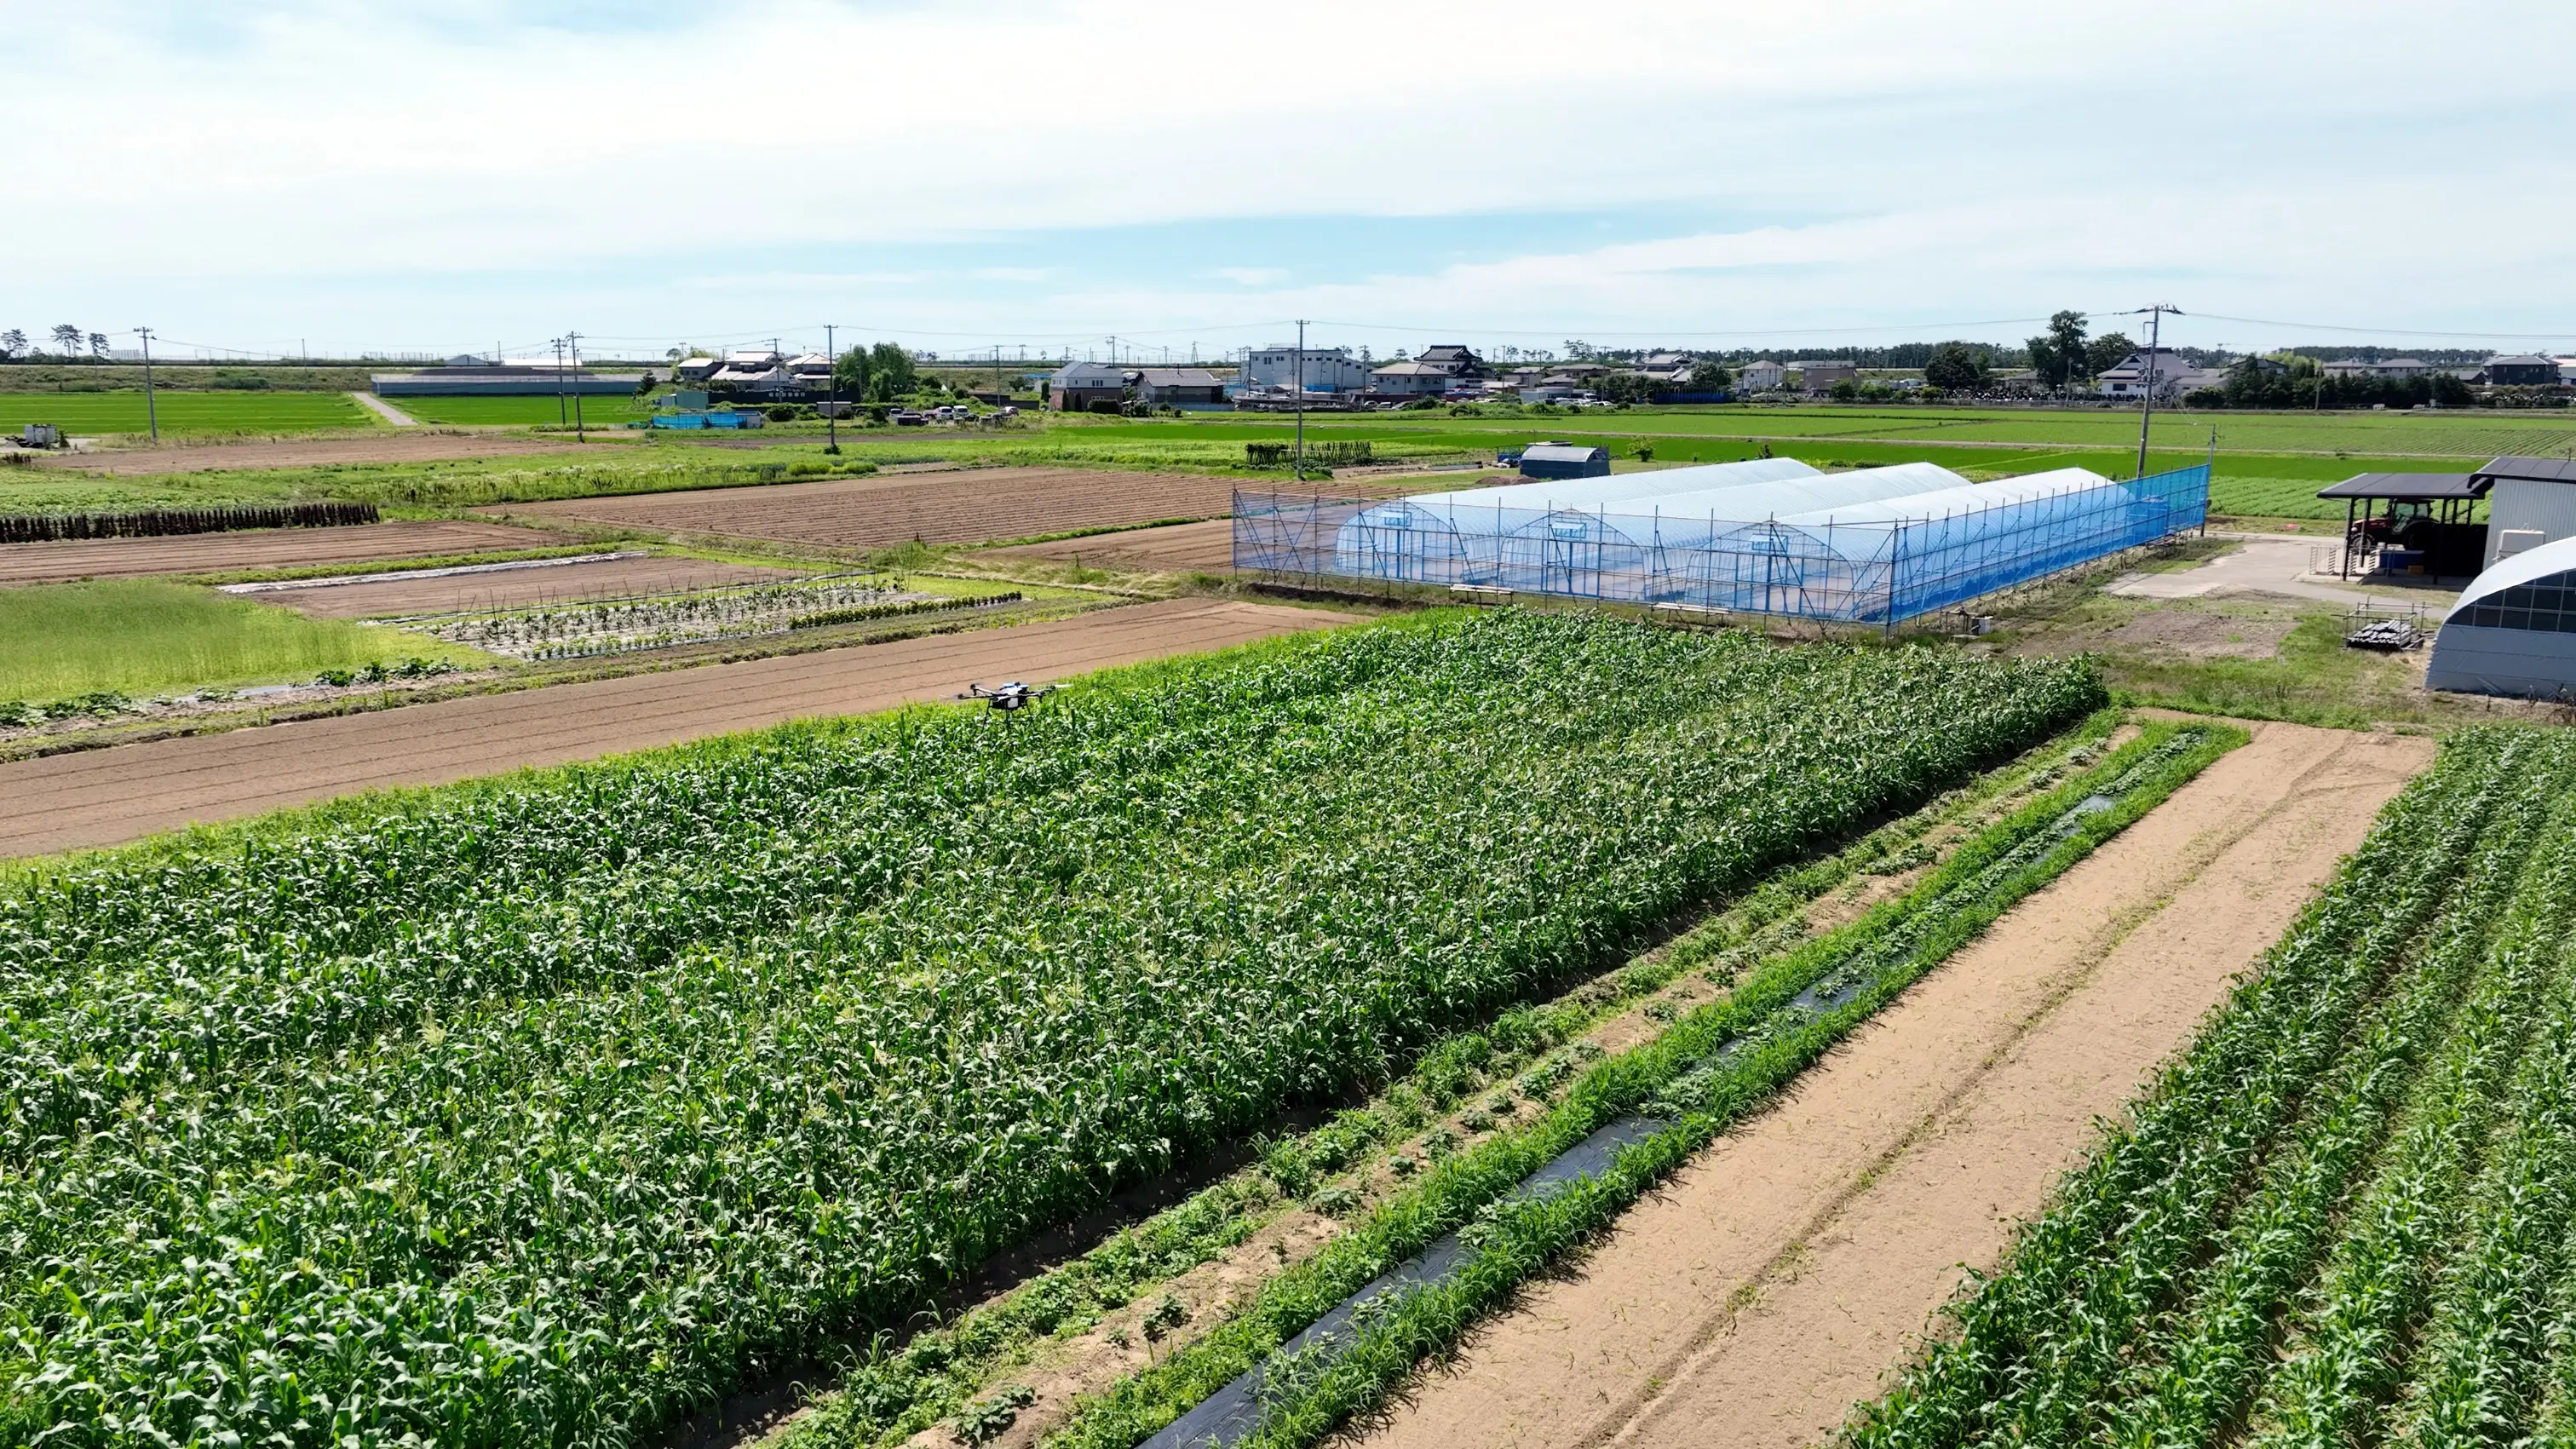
(1666, 366)
(2530, 502)
(2140, 375)
(1453, 359)
(1760, 375)
(1179, 387)
(1564, 460)
(2523, 371)
(695, 370)
(1410, 379)
(2387, 367)
(1820, 375)
(1087, 387)
(1316, 369)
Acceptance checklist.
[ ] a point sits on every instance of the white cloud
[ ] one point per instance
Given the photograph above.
(1920, 159)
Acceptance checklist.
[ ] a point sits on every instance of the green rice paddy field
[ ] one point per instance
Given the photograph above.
(184, 414)
(600, 412)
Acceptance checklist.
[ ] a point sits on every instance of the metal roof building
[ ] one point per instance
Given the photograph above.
(1564, 460)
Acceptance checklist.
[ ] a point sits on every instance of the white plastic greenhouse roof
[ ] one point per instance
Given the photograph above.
(1966, 497)
(1757, 502)
(1595, 493)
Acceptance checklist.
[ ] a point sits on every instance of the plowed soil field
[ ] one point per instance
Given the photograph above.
(204, 553)
(515, 588)
(102, 797)
(969, 506)
(380, 447)
(1796, 1265)
(1174, 548)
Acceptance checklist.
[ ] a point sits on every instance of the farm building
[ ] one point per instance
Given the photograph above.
(2530, 502)
(1771, 536)
(473, 377)
(1564, 460)
(1317, 369)
(2514, 632)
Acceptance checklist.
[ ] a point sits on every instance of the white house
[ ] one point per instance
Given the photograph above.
(2140, 375)
(1324, 369)
(1760, 375)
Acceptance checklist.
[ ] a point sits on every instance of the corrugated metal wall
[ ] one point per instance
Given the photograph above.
(2522, 503)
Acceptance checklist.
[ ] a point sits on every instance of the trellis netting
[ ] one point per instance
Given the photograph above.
(1768, 536)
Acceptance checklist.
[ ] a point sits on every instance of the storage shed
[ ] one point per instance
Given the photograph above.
(2530, 502)
(1564, 460)
(2514, 632)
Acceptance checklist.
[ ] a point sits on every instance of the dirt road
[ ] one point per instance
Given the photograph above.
(102, 797)
(408, 446)
(1790, 1271)
(1174, 548)
(269, 548)
(384, 409)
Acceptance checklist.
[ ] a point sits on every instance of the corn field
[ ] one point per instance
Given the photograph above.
(553, 1113)
(2345, 1216)
(611, 626)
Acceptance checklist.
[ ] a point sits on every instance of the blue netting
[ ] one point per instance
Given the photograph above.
(1900, 559)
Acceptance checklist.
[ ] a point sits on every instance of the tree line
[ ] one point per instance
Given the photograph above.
(71, 344)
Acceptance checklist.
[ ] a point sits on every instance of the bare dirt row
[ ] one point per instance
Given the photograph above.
(376, 447)
(1173, 548)
(1793, 1268)
(63, 560)
(517, 588)
(103, 797)
(966, 506)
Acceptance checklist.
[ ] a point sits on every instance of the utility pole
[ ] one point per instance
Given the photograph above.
(562, 416)
(1301, 399)
(573, 339)
(2147, 404)
(150, 410)
(832, 408)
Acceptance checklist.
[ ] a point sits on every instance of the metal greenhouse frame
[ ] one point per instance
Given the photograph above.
(1878, 562)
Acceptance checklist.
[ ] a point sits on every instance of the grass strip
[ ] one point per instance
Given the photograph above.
(1767, 1040)
(889, 1393)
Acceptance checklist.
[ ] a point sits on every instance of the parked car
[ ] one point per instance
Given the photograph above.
(907, 418)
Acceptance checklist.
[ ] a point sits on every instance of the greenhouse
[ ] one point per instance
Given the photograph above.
(2514, 632)
(1769, 535)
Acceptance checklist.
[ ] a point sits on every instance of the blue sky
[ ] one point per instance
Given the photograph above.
(1047, 173)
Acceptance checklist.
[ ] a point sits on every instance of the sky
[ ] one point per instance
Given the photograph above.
(442, 176)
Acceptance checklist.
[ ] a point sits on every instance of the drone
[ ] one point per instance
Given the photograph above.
(1010, 698)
